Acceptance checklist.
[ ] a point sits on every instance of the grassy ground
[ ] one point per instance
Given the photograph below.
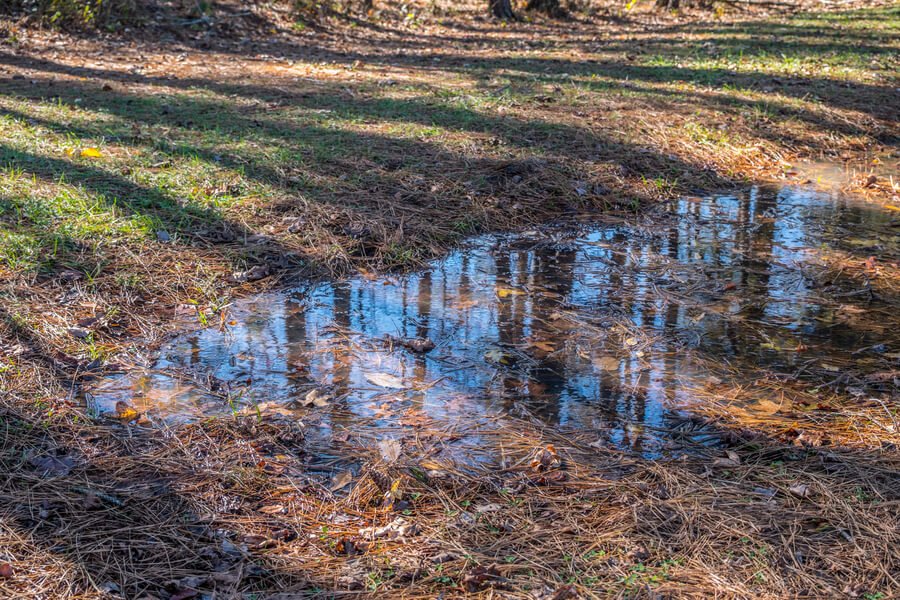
(142, 175)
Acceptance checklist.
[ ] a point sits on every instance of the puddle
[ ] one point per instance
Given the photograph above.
(613, 328)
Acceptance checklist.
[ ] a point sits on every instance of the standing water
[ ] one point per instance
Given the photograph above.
(619, 328)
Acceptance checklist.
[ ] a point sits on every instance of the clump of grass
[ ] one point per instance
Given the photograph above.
(77, 14)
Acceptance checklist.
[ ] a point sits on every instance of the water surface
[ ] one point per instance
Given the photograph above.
(616, 327)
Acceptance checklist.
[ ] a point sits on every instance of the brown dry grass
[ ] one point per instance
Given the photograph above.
(231, 508)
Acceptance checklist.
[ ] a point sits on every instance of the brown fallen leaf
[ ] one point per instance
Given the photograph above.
(766, 406)
(607, 363)
(341, 480)
(396, 529)
(732, 460)
(6, 571)
(418, 345)
(481, 577)
(800, 490)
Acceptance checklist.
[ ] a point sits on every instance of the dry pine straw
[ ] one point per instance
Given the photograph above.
(232, 506)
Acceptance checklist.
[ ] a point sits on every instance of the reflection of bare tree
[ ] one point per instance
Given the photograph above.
(296, 340)
(552, 273)
(421, 329)
(341, 363)
(509, 327)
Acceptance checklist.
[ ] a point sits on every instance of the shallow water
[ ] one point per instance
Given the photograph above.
(616, 328)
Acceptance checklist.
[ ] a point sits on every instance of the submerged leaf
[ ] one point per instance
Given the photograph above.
(385, 380)
(316, 398)
(607, 363)
(125, 412)
(507, 292)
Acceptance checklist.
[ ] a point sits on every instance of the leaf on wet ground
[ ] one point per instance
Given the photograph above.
(730, 460)
(341, 480)
(482, 577)
(801, 490)
(545, 459)
(53, 466)
(397, 529)
(385, 380)
(390, 450)
(766, 406)
(252, 274)
(268, 409)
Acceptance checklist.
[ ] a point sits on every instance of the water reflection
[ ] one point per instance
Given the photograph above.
(606, 329)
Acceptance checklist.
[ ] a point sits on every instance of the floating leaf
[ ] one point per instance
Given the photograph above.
(496, 355)
(316, 398)
(507, 292)
(385, 380)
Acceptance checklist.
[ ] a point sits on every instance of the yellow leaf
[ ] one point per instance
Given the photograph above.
(125, 412)
(506, 292)
(90, 153)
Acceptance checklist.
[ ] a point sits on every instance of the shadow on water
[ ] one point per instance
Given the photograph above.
(613, 328)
